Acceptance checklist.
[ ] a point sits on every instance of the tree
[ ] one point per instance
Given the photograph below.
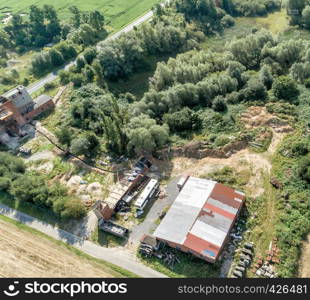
(266, 77)
(285, 88)
(53, 28)
(76, 16)
(64, 136)
(306, 17)
(77, 79)
(56, 57)
(294, 9)
(219, 104)
(304, 169)
(90, 54)
(182, 120)
(64, 77)
(144, 135)
(29, 189)
(255, 90)
(5, 41)
(80, 63)
(86, 144)
(85, 35)
(88, 73)
(248, 50)
(96, 20)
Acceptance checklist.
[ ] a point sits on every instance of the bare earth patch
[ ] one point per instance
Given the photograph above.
(244, 160)
(23, 254)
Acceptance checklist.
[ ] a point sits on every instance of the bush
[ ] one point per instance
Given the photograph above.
(49, 86)
(227, 21)
(285, 88)
(307, 83)
(77, 79)
(64, 77)
(4, 184)
(304, 169)
(221, 140)
(300, 148)
(219, 104)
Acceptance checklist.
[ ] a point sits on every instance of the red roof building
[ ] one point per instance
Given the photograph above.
(201, 218)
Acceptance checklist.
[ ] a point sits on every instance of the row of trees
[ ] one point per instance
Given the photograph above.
(46, 61)
(250, 8)
(28, 187)
(172, 30)
(85, 29)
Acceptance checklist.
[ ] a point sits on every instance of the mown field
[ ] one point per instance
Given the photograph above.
(38, 255)
(118, 13)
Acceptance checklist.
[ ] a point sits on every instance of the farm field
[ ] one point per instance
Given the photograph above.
(37, 256)
(118, 13)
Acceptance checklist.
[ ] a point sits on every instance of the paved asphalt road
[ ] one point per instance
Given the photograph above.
(117, 256)
(52, 76)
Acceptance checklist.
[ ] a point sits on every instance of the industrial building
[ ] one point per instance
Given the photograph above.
(201, 218)
(17, 108)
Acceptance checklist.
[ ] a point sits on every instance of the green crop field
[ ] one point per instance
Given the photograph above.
(118, 13)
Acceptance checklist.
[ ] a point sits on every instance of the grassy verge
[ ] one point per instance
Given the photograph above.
(189, 266)
(32, 210)
(111, 268)
(106, 239)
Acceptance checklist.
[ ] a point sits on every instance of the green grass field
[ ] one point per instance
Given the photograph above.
(118, 13)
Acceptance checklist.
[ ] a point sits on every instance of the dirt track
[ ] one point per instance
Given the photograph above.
(304, 270)
(242, 160)
(23, 254)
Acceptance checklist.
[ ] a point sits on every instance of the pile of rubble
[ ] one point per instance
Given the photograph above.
(265, 267)
(266, 270)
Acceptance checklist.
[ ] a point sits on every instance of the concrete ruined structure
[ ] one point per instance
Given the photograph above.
(17, 108)
(201, 218)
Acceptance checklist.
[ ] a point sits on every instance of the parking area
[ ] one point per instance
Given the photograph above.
(168, 194)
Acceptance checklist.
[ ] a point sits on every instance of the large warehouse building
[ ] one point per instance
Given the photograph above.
(201, 218)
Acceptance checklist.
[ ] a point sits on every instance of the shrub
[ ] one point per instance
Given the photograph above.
(285, 88)
(227, 21)
(219, 104)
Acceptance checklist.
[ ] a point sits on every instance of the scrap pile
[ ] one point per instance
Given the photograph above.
(146, 250)
(170, 258)
(265, 267)
(148, 245)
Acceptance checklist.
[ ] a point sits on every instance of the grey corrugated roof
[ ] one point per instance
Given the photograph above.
(184, 211)
(42, 99)
(217, 221)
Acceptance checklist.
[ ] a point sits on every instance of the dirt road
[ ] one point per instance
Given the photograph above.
(24, 254)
